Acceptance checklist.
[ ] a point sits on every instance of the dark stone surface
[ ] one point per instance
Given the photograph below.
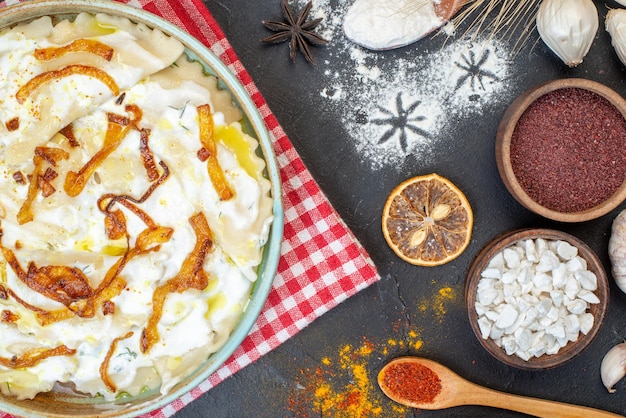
(403, 313)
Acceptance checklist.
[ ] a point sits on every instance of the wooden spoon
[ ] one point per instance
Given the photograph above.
(456, 391)
(446, 9)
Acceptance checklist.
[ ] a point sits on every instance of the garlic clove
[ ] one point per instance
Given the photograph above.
(568, 28)
(615, 24)
(617, 250)
(613, 367)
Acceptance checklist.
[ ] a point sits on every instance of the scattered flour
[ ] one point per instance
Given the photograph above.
(393, 108)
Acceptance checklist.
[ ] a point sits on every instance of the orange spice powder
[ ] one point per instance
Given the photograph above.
(344, 384)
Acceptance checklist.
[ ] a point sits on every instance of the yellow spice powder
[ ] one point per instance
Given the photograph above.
(345, 384)
(437, 304)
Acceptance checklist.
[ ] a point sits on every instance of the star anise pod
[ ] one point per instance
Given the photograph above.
(298, 31)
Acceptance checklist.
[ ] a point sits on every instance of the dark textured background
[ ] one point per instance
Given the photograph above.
(402, 313)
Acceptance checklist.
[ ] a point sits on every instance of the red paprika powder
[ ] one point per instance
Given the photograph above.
(412, 381)
(568, 150)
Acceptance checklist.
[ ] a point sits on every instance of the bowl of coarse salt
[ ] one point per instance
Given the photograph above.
(536, 298)
(561, 149)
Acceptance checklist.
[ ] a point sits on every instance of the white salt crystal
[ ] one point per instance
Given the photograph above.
(542, 282)
(571, 324)
(496, 333)
(547, 262)
(511, 258)
(531, 250)
(557, 330)
(543, 307)
(497, 261)
(557, 297)
(525, 275)
(553, 313)
(588, 296)
(523, 339)
(565, 250)
(507, 317)
(486, 296)
(559, 276)
(587, 279)
(492, 273)
(529, 317)
(586, 322)
(541, 245)
(576, 264)
(509, 277)
(485, 327)
(572, 287)
(509, 345)
(577, 307)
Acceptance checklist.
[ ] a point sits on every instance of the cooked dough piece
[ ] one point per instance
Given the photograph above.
(40, 96)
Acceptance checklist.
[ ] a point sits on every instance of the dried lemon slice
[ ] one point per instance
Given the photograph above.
(427, 220)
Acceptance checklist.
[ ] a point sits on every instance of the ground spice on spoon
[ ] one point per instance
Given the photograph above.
(568, 150)
(412, 381)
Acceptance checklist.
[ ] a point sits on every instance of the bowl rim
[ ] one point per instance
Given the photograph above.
(506, 239)
(503, 148)
(21, 12)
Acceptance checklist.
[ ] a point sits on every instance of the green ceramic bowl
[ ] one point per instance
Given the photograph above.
(59, 404)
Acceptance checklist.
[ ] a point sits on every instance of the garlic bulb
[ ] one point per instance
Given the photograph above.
(613, 367)
(568, 28)
(616, 27)
(617, 250)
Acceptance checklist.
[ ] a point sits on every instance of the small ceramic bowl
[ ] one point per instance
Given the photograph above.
(503, 147)
(572, 348)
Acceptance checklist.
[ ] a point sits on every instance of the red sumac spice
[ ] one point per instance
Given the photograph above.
(568, 150)
(412, 381)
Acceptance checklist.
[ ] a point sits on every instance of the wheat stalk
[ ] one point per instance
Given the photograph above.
(510, 17)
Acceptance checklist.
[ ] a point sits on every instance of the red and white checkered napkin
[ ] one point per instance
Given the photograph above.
(321, 264)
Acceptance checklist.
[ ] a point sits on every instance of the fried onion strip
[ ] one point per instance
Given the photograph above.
(37, 181)
(25, 214)
(13, 124)
(9, 317)
(32, 357)
(68, 132)
(147, 156)
(79, 45)
(75, 181)
(117, 129)
(85, 308)
(190, 276)
(216, 174)
(63, 284)
(104, 367)
(113, 222)
(5, 293)
(34, 83)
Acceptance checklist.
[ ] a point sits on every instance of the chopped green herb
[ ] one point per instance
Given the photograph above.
(128, 352)
(182, 111)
